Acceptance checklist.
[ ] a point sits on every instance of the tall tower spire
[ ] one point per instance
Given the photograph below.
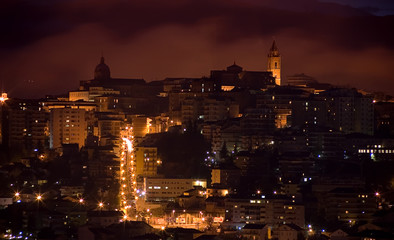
(274, 62)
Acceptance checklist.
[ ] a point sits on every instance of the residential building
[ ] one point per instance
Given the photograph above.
(263, 210)
(25, 125)
(68, 125)
(350, 205)
(290, 232)
(167, 189)
(255, 231)
(147, 160)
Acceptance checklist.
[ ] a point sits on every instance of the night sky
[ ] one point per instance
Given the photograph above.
(47, 47)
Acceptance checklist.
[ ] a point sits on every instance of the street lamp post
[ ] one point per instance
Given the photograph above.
(101, 205)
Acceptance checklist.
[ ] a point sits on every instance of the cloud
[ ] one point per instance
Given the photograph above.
(377, 7)
(60, 43)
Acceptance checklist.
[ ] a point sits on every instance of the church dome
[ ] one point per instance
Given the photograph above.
(234, 68)
(102, 71)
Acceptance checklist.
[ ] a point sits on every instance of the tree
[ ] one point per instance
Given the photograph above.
(223, 154)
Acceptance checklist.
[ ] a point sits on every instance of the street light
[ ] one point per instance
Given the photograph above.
(39, 197)
(3, 97)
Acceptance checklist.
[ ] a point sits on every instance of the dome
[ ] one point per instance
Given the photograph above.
(234, 68)
(102, 71)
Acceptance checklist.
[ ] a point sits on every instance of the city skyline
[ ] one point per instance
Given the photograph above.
(62, 42)
(210, 119)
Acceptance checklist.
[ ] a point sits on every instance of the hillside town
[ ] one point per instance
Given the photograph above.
(238, 154)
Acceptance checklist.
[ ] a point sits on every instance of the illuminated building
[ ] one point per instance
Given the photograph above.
(274, 63)
(325, 143)
(146, 160)
(70, 122)
(132, 96)
(110, 103)
(379, 150)
(263, 210)
(167, 189)
(187, 107)
(62, 103)
(109, 126)
(159, 124)
(219, 108)
(235, 77)
(192, 199)
(140, 125)
(248, 132)
(214, 206)
(384, 118)
(24, 124)
(349, 204)
(280, 100)
(217, 191)
(226, 176)
(67, 125)
(78, 96)
(208, 109)
(91, 93)
(341, 109)
(226, 79)
(239, 212)
(127, 87)
(176, 100)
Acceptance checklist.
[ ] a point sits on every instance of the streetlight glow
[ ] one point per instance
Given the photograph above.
(3, 97)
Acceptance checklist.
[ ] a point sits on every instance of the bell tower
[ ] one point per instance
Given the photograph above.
(274, 63)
